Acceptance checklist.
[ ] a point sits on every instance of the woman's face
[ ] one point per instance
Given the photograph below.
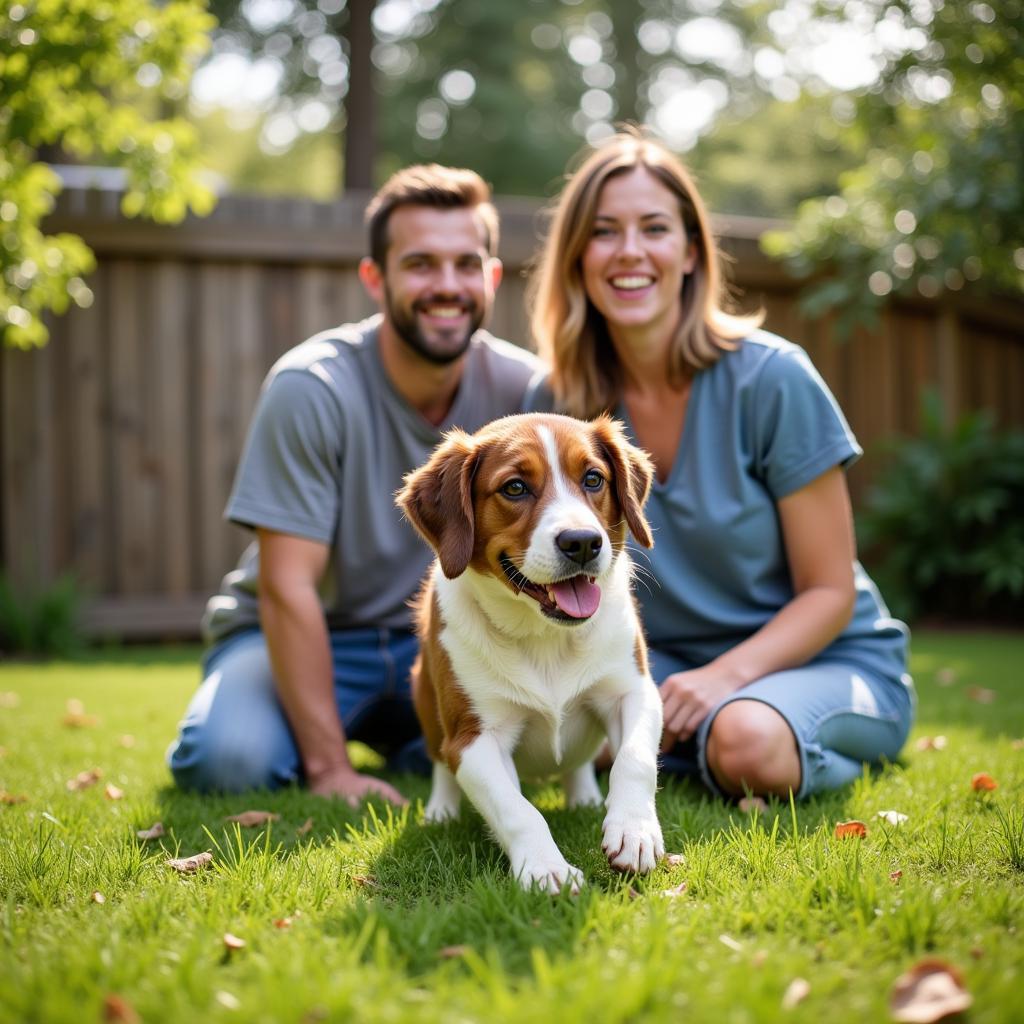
(638, 254)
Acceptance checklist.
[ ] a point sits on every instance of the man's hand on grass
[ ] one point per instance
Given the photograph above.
(352, 786)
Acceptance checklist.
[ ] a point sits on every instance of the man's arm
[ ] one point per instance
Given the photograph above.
(300, 654)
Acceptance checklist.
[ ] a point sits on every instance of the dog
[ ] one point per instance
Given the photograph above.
(531, 650)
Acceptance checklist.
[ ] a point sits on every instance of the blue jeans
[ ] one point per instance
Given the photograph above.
(841, 716)
(235, 735)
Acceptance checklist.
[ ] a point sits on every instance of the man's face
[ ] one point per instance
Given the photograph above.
(438, 282)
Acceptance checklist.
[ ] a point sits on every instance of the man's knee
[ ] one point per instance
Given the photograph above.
(224, 764)
(751, 746)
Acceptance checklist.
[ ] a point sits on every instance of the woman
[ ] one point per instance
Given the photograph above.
(779, 666)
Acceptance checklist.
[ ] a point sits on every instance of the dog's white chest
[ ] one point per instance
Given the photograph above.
(551, 744)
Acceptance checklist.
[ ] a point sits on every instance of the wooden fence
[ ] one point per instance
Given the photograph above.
(119, 439)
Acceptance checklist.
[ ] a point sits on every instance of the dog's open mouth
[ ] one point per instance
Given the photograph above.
(574, 599)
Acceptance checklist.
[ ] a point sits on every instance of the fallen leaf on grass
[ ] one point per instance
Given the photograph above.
(9, 699)
(946, 676)
(675, 891)
(127, 740)
(982, 782)
(250, 819)
(3, 750)
(117, 1008)
(929, 991)
(759, 959)
(283, 922)
(931, 743)
(233, 941)
(112, 792)
(980, 695)
(451, 952)
(851, 830)
(1014, 745)
(83, 780)
(892, 817)
(98, 897)
(305, 827)
(728, 940)
(752, 803)
(188, 865)
(155, 831)
(895, 876)
(12, 798)
(70, 721)
(367, 881)
(227, 1000)
(796, 992)
(673, 860)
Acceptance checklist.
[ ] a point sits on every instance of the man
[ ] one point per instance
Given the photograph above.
(312, 640)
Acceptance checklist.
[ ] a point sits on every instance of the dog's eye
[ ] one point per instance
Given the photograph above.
(514, 489)
(592, 480)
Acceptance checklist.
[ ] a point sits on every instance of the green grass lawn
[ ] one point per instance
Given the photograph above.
(371, 916)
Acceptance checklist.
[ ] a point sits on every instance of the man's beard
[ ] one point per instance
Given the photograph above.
(407, 328)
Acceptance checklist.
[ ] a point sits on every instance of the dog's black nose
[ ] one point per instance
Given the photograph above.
(580, 546)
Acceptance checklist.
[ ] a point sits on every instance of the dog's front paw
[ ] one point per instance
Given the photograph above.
(633, 842)
(550, 874)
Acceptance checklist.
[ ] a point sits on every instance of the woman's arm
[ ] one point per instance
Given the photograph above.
(817, 528)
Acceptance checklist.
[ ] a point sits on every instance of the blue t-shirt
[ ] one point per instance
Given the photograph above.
(760, 424)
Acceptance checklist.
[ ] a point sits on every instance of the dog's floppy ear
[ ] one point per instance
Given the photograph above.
(438, 500)
(633, 472)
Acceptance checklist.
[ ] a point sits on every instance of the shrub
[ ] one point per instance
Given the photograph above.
(943, 528)
(45, 622)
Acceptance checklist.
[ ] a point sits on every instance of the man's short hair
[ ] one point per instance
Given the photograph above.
(445, 188)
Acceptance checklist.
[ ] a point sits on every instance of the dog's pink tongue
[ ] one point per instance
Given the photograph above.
(577, 597)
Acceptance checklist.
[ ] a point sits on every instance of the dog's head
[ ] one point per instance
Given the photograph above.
(540, 502)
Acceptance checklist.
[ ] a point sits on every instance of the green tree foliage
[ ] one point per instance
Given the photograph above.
(939, 197)
(83, 75)
(510, 89)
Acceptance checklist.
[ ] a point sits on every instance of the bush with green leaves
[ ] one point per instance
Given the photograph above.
(43, 622)
(943, 528)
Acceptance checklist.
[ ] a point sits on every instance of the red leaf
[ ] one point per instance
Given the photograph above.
(12, 798)
(851, 830)
(451, 952)
(929, 991)
(117, 1008)
(983, 782)
(895, 876)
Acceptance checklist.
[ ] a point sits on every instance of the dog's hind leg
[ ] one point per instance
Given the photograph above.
(445, 796)
(581, 788)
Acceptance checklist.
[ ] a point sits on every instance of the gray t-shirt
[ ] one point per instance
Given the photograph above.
(329, 444)
(760, 424)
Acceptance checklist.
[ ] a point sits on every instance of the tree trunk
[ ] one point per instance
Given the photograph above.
(360, 140)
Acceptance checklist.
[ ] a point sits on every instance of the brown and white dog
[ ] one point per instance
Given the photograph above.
(531, 646)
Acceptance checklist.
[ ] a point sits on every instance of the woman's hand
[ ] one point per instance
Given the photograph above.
(689, 696)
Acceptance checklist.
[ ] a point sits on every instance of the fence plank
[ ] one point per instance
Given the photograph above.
(120, 440)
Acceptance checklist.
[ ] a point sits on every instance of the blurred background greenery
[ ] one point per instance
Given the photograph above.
(888, 134)
(874, 147)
